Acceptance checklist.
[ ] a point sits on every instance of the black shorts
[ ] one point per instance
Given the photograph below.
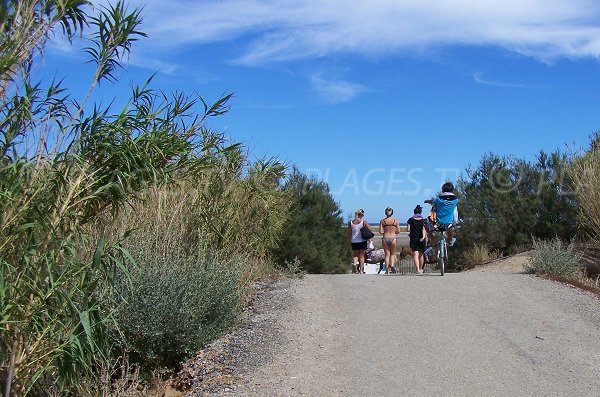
(359, 246)
(417, 245)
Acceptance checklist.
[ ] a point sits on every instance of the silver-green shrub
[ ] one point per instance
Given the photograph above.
(553, 257)
(175, 304)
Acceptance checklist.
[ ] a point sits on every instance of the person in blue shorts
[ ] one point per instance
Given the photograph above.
(446, 209)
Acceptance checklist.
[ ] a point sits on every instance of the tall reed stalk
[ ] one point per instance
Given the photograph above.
(63, 169)
(585, 173)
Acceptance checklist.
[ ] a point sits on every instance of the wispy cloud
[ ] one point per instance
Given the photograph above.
(478, 77)
(335, 91)
(277, 30)
(154, 63)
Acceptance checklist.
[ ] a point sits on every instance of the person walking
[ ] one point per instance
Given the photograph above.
(416, 235)
(389, 228)
(359, 244)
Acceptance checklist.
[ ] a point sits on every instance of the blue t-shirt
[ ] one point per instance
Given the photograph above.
(445, 204)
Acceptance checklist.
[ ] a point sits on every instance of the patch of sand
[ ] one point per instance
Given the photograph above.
(510, 264)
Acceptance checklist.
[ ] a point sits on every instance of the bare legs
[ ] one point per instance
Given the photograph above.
(419, 261)
(449, 237)
(390, 255)
(360, 254)
(388, 263)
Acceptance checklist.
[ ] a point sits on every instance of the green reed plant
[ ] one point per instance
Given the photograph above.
(239, 207)
(64, 169)
(585, 174)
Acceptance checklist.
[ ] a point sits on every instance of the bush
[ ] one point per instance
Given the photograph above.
(477, 255)
(174, 305)
(553, 257)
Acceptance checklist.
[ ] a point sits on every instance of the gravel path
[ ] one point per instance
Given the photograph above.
(475, 333)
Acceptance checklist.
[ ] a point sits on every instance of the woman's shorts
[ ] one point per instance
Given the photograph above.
(359, 246)
(417, 245)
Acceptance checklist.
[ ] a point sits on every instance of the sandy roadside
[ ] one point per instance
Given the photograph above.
(511, 264)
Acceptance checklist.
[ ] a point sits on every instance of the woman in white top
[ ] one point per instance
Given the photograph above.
(359, 244)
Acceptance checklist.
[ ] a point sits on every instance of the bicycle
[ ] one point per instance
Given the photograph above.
(443, 249)
(442, 246)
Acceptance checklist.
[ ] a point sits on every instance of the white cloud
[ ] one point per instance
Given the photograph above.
(478, 77)
(277, 30)
(335, 91)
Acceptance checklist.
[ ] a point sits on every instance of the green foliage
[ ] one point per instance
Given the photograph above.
(556, 214)
(505, 202)
(115, 30)
(314, 234)
(198, 244)
(585, 173)
(291, 269)
(553, 257)
(63, 171)
(52, 327)
(25, 25)
(177, 304)
(240, 208)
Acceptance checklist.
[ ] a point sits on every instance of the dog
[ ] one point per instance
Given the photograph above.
(404, 252)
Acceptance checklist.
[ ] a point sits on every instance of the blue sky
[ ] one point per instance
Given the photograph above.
(383, 99)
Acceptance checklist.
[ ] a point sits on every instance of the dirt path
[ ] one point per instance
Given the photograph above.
(475, 333)
(511, 264)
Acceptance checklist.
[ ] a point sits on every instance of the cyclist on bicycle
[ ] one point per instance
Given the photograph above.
(446, 205)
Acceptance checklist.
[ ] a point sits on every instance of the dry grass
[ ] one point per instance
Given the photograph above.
(591, 282)
(585, 174)
(238, 218)
(580, 282)
(478, 255)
